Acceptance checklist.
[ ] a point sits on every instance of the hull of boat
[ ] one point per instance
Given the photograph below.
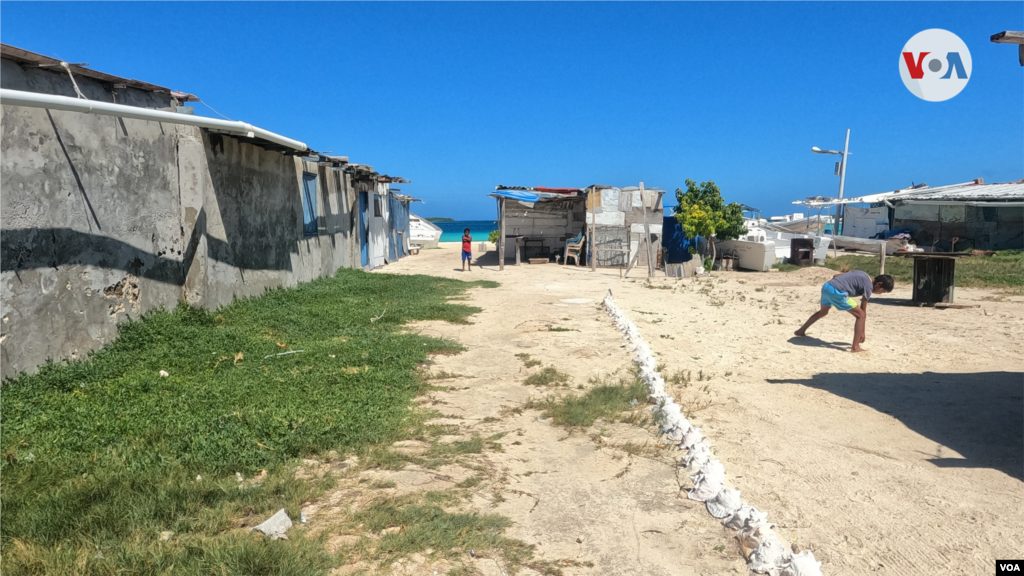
(423, 233)
(750, 255)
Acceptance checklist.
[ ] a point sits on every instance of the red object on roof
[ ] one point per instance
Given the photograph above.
(556, 190)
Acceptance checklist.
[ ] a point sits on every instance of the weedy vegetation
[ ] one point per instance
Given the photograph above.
(102, 455)
(1005, 269)
(527, 361)
(548, 377)
(622, 400)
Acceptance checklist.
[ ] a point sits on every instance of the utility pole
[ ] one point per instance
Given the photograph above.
(842, 178)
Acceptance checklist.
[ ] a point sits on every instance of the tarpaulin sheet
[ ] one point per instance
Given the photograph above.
(515, 195)
(674, 240)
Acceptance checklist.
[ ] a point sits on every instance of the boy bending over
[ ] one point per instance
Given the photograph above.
(839, 292)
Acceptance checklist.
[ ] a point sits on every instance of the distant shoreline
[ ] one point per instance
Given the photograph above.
(440, 219)
(479, 229)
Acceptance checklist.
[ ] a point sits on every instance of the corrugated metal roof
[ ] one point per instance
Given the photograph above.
(1006, 192)
(965, 192)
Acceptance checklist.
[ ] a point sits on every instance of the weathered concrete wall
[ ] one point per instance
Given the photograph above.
(102, 218)
(978, 228)
(89, 217)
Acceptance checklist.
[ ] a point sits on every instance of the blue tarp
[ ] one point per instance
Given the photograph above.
(516, 195)
(674, 240)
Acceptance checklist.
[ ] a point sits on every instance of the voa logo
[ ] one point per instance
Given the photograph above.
(935, 65)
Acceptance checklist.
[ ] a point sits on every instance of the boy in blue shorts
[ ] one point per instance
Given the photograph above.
(839, 292)
(467, 250)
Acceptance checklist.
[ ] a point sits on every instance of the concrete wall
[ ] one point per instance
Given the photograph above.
(103, 218)
(978, 228)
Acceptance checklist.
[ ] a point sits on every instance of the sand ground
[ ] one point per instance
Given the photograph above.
(906, 459)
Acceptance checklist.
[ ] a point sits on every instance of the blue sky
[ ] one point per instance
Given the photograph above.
(459, 97)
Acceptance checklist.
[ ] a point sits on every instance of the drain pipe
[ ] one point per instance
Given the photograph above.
(52, 102)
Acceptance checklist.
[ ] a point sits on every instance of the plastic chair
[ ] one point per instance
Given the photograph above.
(573, 247)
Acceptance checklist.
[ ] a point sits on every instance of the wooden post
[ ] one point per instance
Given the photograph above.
(592, 236)
(501, 233)
(647, 235)
(881, 259)
(636, 257)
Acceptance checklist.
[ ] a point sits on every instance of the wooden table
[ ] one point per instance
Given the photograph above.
(934, 276)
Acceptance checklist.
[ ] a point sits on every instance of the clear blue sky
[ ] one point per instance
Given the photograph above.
(460, 97)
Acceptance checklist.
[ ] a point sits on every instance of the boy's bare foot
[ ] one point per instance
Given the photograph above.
(857, 349)
(800, 333)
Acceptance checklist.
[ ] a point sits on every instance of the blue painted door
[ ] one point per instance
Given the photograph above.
(364, 239)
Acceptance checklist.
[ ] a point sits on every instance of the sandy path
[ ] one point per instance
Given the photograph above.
(907, 459)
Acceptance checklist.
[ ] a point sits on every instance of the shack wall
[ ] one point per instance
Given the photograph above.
(619, 224)
(977, 227)
(106, 218)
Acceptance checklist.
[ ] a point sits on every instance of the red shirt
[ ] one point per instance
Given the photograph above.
(467, 243)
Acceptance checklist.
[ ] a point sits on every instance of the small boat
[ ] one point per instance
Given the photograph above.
(765, 244)
(422, 232)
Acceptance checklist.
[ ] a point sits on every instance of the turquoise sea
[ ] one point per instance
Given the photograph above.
(478, 229)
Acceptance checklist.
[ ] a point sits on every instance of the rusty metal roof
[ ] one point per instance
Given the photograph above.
(32, 59)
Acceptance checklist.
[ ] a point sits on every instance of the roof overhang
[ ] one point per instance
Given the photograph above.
(32, 59)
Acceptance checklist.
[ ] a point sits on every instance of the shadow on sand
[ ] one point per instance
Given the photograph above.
(813, 342)
(979, 415)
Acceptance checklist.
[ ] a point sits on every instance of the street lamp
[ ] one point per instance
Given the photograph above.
(842, 174)
(1010, 37)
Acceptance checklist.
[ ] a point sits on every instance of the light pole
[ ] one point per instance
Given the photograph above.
(1010, 37)
(842, 174)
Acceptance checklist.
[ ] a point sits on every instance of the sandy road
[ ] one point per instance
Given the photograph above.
(907, 459)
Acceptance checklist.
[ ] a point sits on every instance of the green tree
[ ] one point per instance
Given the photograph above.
(703, 212)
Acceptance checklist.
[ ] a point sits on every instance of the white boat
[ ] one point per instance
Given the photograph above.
(764, 245)
(422, 232)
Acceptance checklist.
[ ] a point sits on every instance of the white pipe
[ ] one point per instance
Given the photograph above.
(52, 102)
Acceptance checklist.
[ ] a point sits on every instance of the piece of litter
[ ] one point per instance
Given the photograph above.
(543, 421)
(166, 535)
(198, 477)
(283, 353)
(276, 525)
(472, 553)
(303, 516)
(633, 402)
(164, 373)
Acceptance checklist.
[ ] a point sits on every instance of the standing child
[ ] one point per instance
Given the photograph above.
(839, 292)
(467, 250)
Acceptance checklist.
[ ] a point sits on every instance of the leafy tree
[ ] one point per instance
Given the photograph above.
(703, 212)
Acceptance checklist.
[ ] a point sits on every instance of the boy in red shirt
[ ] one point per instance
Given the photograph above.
(467, 250)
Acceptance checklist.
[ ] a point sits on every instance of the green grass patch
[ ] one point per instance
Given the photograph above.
(429, 526)
(548, 377)
(1003, 270)
(786, 267)
(527, 361)
(101, 455)
(474, 445)
(605, 400)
